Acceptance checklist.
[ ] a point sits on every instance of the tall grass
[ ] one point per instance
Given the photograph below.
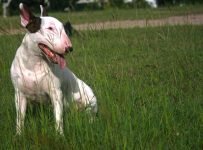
(148, 83)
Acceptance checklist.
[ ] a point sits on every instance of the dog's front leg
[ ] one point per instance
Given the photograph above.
(56, 98)
(21, 104)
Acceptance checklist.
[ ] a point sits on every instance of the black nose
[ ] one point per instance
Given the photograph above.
(69, 49)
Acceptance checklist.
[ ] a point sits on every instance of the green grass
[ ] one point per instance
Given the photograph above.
(127, 14)
(109, 15)
(148, 82)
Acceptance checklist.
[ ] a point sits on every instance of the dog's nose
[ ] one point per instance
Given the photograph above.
(71, 49)
(68, 49)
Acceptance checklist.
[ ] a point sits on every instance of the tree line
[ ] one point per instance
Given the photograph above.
(61, 4)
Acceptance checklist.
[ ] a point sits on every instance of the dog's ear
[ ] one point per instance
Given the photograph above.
(43, 11)
(28, 20)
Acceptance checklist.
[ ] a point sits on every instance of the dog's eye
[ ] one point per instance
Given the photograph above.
(50, 28)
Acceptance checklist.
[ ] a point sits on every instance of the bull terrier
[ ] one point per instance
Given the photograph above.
(39, 71)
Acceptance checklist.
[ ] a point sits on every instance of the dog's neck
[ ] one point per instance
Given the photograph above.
(30, 54)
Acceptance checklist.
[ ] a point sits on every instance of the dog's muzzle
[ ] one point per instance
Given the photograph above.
(53, 56)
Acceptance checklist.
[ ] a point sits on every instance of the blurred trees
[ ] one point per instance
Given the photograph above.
(177, 2)
(117, 3)
(61, 4)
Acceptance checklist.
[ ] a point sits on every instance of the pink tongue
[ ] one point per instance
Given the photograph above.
(61, 61)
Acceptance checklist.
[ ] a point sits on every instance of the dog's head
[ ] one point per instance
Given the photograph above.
(47, 34)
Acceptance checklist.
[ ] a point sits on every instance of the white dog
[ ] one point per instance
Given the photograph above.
(38, 70)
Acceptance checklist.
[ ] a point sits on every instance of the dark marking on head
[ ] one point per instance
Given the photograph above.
(34, 24)
(28, 19)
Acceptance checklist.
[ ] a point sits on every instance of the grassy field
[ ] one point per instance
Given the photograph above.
(109, 15)
(148, 83)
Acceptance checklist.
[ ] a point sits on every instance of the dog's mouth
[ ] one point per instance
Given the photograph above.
(52, 56)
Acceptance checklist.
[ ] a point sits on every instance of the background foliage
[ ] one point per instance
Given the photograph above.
(61, 4)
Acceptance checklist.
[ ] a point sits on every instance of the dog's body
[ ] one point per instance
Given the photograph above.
(38, 70)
